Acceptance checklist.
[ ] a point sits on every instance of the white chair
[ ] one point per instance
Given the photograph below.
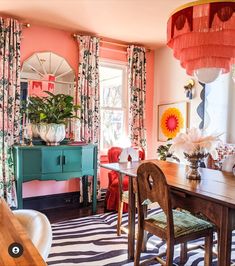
(38, 228)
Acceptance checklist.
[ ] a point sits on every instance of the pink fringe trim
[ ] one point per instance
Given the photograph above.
(191, 53)
(203, 46)
(218, 62)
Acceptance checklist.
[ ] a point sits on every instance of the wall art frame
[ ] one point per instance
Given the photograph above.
(172, 119)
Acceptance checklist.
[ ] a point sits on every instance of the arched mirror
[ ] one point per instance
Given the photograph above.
(46, 71)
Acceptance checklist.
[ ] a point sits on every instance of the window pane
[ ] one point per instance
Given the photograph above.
(112, 128)
(111, 86)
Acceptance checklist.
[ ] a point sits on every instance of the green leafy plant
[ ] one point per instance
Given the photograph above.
(163, 152)
(56, 108)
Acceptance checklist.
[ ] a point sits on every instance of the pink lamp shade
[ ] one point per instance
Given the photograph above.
(201, 35)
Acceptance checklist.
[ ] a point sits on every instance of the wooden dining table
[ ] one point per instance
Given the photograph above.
(11, 233)
(212, 196)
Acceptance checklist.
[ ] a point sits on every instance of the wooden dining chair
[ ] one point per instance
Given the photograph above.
(175, 227)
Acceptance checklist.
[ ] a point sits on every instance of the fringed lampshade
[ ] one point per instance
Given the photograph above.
(202, 36)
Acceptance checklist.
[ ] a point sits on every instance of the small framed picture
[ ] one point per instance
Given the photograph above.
(172, 119)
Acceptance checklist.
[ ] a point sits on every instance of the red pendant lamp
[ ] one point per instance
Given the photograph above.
(202, 36)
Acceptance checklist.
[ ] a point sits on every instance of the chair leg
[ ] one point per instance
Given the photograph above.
(169, 253)
(138, 246)
(183, 253)
(119, 221)
(144, 242)
(105, 203)
(208, 249)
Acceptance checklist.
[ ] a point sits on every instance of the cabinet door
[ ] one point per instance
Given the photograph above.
(72, 160)
(51, 161)
(31, 162)
(88, 159)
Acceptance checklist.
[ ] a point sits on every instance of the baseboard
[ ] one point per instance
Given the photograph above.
(70, 199)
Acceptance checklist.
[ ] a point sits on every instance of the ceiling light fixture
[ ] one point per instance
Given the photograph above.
(201, 35)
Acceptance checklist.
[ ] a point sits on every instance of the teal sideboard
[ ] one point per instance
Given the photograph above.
(58, 163)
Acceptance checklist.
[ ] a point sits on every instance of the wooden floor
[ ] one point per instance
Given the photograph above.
(63, 214)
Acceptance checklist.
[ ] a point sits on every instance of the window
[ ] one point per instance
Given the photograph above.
(113, 105)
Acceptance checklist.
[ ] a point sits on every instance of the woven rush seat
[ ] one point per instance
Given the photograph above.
(184, 222)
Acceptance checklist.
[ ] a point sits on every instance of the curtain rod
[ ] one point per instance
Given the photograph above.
(112, 42)
(115, 43)
(106, 41)
(26, 25)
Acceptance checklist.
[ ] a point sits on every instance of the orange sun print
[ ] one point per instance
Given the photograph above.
(172, 122)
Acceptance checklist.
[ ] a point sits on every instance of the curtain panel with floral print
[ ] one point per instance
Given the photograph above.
(88, 88)
(137, 88)
(10, 32)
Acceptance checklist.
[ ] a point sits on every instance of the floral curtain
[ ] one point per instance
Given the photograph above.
(88, 93)
(10, 32)
(137, 88)
(88, 88)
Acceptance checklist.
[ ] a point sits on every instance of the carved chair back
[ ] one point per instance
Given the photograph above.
(152, 187)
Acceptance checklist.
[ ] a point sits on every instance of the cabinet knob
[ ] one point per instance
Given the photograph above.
(63, 160)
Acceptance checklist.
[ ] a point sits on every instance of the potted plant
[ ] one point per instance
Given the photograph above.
(49, 115)
(164, 154)
(33, 108)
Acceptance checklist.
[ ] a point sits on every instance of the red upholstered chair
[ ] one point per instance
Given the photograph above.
(112, 195)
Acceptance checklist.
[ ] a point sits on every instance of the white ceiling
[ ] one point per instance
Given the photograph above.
(131, 21)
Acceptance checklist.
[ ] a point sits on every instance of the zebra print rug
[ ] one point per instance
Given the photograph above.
(92, 241)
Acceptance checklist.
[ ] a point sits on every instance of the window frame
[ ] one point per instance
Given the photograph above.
(125, 99)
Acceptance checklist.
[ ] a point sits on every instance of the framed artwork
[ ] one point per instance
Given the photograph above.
(172, 119)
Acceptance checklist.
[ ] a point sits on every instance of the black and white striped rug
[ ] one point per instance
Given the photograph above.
(92, 241)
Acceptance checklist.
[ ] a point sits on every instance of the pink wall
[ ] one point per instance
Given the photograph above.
(37, 38)
(113, 52)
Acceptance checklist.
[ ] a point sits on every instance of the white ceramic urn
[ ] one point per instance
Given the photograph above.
(35, 130)
(52, 133)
